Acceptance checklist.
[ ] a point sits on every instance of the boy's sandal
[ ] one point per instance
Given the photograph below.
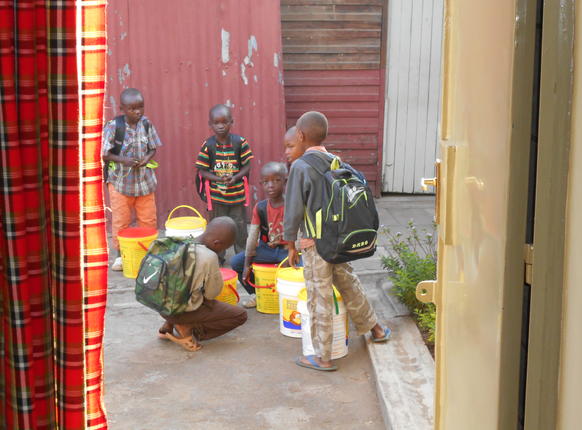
(385, 338)
(313, 364)
(185, 342)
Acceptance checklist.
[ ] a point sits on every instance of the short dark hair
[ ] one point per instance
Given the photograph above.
(274, 167)
(219, 108)
(313, 125)
(128, 95)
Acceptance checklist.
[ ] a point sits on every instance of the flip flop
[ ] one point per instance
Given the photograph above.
(313, 364)
(185, 342)
(162, 334)
(385, 338)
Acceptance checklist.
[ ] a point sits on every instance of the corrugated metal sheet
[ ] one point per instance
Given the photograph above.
(413, 89)
(351, 99)
(334, 63)
(187, 56)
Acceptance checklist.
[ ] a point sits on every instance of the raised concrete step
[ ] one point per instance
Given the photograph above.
(403, 367)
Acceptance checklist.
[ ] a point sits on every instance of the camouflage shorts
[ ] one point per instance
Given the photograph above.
(319, 277)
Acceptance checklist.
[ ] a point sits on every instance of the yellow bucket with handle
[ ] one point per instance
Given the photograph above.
(133, 245)
(228, 294)
(267, 295)
(185, 226)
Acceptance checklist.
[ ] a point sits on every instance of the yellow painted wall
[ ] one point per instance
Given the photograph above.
(571, 370)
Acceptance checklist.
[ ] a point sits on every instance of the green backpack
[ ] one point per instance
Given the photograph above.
(165, 275)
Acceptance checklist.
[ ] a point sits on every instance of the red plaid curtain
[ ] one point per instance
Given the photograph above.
(53, 257)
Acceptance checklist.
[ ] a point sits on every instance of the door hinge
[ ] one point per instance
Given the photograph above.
(528, 256)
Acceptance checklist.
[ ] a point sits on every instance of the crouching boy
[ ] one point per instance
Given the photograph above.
(206, 318)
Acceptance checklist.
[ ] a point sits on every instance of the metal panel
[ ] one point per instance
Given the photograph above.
(412, 100)
(334, 62)
(188, 57)
(351, 99)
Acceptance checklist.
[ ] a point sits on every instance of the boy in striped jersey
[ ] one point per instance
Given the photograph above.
(225, 161)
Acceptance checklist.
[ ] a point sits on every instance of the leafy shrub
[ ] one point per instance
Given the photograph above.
(411, 259)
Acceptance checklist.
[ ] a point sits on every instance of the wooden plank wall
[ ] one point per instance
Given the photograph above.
(413, 90)
(333, 58)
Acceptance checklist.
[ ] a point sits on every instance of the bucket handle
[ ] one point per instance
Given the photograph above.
(260, 286)
(184, 206)
(145, 248)
(263, 286)
(234, 291)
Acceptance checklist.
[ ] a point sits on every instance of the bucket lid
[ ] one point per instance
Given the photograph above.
(135, 232)
(186, 223)
(290, 274)
(227, 274)
(303, 294)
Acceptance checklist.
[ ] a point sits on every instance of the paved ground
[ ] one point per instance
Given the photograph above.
(247, 379)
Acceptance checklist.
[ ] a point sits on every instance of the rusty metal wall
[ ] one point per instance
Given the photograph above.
(187, 56)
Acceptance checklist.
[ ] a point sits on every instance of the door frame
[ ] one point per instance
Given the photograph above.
(545, 328)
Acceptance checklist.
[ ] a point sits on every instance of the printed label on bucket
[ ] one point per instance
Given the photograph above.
(291, 317)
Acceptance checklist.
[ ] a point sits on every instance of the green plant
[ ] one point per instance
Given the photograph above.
(411, 259)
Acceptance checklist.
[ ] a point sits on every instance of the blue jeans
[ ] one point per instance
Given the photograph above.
(264, 254)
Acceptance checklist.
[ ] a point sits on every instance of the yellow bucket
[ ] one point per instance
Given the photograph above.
(133, 244)
(228, 293)
(185, 226)
(267, 295)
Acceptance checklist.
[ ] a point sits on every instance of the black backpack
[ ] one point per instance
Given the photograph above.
(346, 222)
(201, 184)
(118, 141)
(264, 223)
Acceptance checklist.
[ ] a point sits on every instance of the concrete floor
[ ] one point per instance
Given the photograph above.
(246, 379)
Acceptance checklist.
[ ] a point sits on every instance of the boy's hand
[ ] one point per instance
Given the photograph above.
(231, 179)
(293, 255)
(274, 243)
(226, 179)
(130, 162)
(246, 274)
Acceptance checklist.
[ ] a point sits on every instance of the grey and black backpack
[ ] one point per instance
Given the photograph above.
(346, 222)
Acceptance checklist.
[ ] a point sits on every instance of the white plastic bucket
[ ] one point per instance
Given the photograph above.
(185, 226)
(339, 346)
(289, 283)
(182, 233)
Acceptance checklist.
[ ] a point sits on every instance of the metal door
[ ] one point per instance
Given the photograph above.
(482, 196)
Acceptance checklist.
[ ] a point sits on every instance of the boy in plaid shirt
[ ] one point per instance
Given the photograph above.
(131, 182)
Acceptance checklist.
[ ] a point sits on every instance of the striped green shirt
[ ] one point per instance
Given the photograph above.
(225, 163)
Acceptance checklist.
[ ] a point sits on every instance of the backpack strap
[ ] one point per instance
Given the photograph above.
(211, 148)
(317, 162)
(119, 135)
(264, 221)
